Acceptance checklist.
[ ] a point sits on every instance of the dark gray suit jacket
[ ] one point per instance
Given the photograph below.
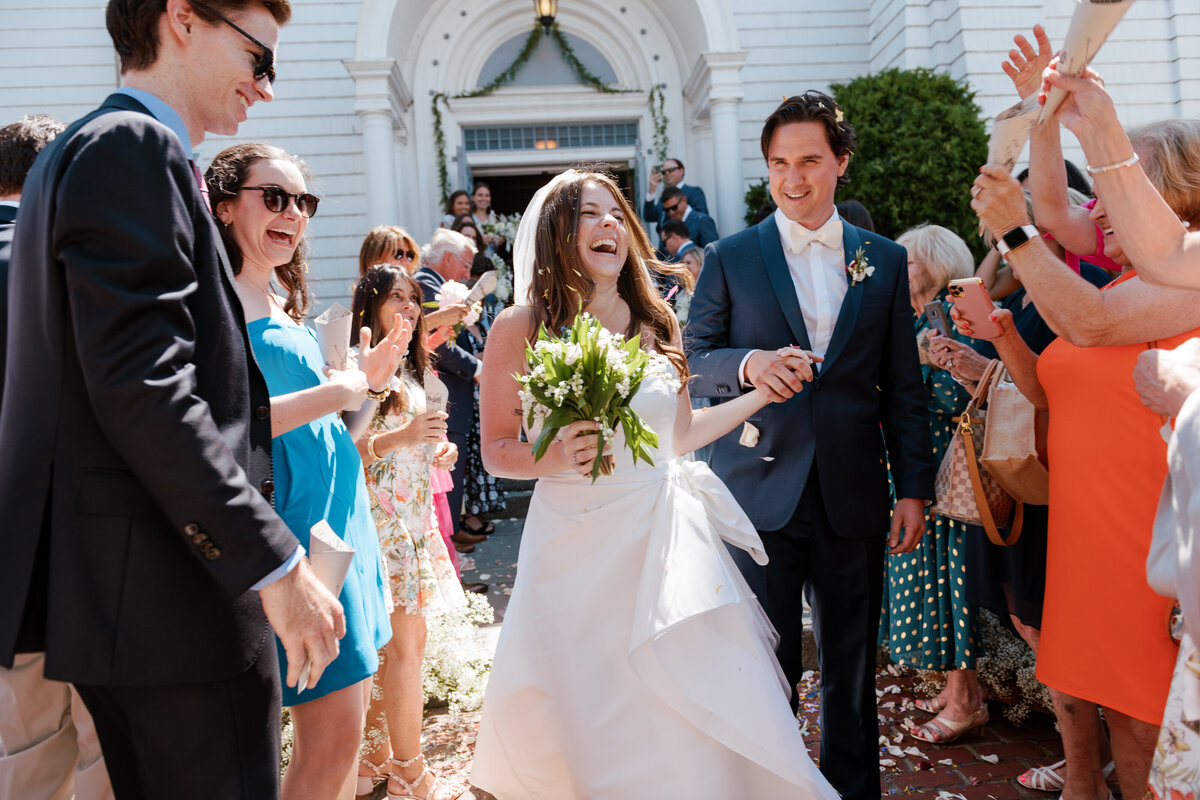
(8, 221)
(135, 434)
(870, 380)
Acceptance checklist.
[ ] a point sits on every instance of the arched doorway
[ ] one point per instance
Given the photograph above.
(409, 50)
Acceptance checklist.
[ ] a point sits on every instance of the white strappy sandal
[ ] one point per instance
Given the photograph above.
(454, 791)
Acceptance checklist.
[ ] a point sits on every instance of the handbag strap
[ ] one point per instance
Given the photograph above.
(985, 510)
(984, 385)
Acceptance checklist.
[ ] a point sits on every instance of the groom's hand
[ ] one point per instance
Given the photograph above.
(777, 376)
(909, 514)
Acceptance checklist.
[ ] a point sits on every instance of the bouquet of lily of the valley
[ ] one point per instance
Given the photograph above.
(588, 373)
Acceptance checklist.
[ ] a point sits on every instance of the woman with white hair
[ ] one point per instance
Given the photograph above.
(928, 622)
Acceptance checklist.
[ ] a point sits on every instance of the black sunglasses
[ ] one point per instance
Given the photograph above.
(265, 66)
(405, 255)
(672, 208)
(276, 200)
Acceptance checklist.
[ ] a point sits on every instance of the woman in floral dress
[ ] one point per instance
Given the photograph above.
(400, 449)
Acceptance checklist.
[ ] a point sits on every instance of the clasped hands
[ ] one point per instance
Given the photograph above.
(781, 374)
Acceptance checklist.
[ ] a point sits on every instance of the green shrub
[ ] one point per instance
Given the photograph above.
(921, 141)
(757, 196)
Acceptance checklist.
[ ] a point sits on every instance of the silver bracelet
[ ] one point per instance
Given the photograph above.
(1129, 162)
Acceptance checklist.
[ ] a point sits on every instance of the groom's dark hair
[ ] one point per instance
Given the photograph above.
(813, 106)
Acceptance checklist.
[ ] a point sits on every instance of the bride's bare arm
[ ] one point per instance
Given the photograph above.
(504, 454)
(696, 428)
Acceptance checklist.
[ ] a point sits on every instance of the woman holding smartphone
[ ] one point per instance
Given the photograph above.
(927, 623)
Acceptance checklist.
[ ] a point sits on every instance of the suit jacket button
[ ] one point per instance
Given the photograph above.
(816, 386)
(262, 412)
(191, 529)
(199, 540)
(212, 554)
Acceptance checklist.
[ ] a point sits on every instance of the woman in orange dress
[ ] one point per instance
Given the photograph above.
(1105, 640)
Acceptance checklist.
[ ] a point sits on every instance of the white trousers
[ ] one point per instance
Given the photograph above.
(48, 744)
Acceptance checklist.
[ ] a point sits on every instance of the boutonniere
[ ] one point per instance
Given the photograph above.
(858, 269)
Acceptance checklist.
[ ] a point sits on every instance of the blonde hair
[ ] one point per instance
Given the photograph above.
(945, 255)
(381, 244)
(1172, 163)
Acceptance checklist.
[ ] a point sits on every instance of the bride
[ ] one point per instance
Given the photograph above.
(633, 662)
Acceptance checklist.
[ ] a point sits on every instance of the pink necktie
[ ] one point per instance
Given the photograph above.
(203, 186)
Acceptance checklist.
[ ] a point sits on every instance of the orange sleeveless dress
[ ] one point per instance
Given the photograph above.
(1104, 630)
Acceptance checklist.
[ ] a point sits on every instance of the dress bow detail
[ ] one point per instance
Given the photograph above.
(727, 518)
(829, 234)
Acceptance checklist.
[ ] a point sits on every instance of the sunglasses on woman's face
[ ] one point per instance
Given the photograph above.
(276, 200)
(405, 255)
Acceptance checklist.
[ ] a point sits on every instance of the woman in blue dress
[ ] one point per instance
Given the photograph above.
(262, 204)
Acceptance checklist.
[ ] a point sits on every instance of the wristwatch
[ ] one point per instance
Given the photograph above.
(1015, 238)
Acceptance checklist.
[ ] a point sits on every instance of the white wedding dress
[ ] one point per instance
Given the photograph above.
(634, 663)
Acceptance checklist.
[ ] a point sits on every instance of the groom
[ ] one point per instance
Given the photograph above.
(815, 481)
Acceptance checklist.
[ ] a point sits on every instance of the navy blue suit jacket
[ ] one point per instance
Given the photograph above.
(701, 228)
(455, 365)
(135, 428)
(652, 210)
(8, 222)
(870, 380)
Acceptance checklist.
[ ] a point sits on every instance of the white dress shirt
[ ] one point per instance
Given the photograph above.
(818, 273)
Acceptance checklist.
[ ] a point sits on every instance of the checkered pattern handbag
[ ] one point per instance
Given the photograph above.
(966, 492)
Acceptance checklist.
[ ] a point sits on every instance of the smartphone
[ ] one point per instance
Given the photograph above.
(974, 305)
(937, 318)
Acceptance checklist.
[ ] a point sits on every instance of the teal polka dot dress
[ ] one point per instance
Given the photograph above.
(927, 621)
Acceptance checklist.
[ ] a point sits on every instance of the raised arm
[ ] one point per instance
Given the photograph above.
(1070, 225)
(1150, 232)
(1075, 309)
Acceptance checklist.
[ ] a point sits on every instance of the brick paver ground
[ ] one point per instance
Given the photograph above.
(961, 770)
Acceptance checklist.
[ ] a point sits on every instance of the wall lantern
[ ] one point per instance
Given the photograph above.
(546, 11)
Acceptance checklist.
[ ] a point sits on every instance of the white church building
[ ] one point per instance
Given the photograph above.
(357, 79)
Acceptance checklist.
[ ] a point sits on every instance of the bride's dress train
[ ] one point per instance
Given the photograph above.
(634, 663)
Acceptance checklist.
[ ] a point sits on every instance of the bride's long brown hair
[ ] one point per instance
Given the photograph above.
(560, 282)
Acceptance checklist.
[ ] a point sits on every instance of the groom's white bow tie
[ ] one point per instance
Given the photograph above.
(829, 234)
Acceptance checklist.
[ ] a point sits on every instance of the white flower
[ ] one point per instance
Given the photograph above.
(452, 293)
(574, 353)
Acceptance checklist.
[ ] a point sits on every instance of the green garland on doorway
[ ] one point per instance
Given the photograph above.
(510, 72)
(660, 143)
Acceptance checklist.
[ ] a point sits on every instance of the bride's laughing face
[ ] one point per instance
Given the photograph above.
(603, 240)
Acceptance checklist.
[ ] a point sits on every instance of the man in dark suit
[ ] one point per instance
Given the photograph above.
(671, 173)
(814, 482)
(701, 228)
(135, 427)
(50, 748)
(448, 257)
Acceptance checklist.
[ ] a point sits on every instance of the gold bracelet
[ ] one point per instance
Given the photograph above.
(1129, 162)
(381, 395)
(371, 447)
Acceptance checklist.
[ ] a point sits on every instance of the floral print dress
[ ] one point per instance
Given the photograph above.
(1175, 773)
(420, 571)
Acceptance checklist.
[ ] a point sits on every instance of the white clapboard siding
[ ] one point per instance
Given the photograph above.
(56, 57)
